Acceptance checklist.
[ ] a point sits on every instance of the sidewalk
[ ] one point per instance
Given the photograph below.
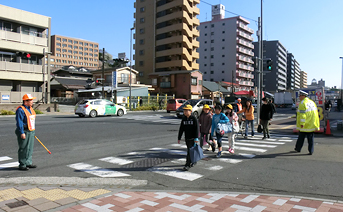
(69, 199)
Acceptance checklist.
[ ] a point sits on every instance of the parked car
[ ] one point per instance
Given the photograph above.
(98, 107)
(197, 105)
(174, 104)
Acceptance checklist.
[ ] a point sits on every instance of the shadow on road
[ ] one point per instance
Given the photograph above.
(290, 153)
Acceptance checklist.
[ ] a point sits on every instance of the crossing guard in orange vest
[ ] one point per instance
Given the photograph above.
(25, 131)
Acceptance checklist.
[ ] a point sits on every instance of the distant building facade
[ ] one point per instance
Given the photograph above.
(24, 36)
(276, 79)
(293, 73)
(226, 49)
(303, 79)
(68, 51)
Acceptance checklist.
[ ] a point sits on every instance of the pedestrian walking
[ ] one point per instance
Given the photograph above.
(266, 115)
(307, 122)
(205, 123)
(218, 117)
(248, 111)
(190, 126)
(234, 121)
(25, 132)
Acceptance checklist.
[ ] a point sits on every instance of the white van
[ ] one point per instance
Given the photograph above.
(197, 105)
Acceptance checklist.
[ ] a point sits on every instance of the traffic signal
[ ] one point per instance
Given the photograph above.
(98, 81)
(23, 55)
(255, 60)
(269, 65)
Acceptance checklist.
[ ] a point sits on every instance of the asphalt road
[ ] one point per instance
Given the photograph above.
(143, 145)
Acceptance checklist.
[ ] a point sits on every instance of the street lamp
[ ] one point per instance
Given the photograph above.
(130, 65)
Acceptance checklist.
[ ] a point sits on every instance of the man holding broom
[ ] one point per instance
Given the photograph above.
(25, 131)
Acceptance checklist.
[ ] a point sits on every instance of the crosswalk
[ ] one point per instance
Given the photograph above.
(168, 160)
(245, 149)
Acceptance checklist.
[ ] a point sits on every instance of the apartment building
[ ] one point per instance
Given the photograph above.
(24, 36)
(303, 79)
(276, 79)
(293, 73)
(226, 49)
(166, 41)
(68, 51)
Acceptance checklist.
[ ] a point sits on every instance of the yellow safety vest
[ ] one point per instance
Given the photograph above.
(307, 115)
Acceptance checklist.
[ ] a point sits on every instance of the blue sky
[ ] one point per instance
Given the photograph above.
(311, 30)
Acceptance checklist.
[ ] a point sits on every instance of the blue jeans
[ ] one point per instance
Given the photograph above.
(247, 127)
(301, 139)
(219, 139)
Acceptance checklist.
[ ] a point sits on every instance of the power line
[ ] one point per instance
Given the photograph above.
(230, 12)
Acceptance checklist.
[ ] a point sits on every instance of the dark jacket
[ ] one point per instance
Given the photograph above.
(191, 128)
(205, 121)
(266, 112)
(273, 106)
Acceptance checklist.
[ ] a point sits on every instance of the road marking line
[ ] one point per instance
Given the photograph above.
(263, 142)
(171, 151)
(257, 145)
(5, 158)
(115, 160)
(230, 160)
(214, 168)
(98, 171)
(286, 140)
(179, 145)
(287, 127)
(247, 155)
(9, 165)
(250, 149)
(176, 173)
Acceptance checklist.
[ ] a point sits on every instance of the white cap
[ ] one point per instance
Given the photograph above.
(302, 93)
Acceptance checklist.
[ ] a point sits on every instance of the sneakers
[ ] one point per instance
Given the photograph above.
(263, 138)
(219, 154)
(268, 136)
(186, 168)
(213, 146)
(231, 150)
(23, 168)
(193, 164)
(295, 149)
(31, 166)
(245, 137)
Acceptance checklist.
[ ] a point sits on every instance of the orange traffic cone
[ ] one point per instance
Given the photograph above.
(328, 128)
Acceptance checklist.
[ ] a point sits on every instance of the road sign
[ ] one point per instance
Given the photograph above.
(121, 55)
(5, 97)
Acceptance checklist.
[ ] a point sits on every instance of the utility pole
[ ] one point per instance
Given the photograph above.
(260, 65)
(103, 73)
(232, 91)
(130, 65)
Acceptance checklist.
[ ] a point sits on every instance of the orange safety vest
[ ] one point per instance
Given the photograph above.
(31, 118)
(239, 105)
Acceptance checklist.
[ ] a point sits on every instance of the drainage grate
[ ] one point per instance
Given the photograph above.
(147, 163)
(17, 204)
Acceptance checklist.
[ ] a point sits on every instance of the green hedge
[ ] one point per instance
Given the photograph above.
(7, 112)
(38, 111)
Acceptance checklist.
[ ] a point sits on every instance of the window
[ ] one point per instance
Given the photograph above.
(95, 50)
(223, 47)
(154, 81)
(141, 31)
(64, 45)
(205, 72)
(141, 74)
(205, 27)
(91, 45)
(81, 43)
(75, 52)
(70, 46)
(205, 41)
(205, 34)
(223, 39)
(212, 48)
(205, 50)
(223, 24)
(86, 44)
(142, 9)
(86, 53)
(75, 47)
(58, 39)
(64, 40)
(95, 55)
(212, 56)
(64, 55)
(212, 41)
(205, 57)
(70, 51)
(212, 64)
(64, 50)
(81, 53)
(223, 73)
(75, 57)
(205, 64)
(223, 80)
(70, 41)
(141, 52)
(90, 54)
(86, 49)
(212, 33)
(194, 81)
(142, 20)
(212, 25)
(58, 49)
(223, 55)
(141, 63)
(223, 64)
(81, 58)
(95, 46)
(58, 44)
(223, 32)
(76, 42)
(81, 48)
(91, 50)
(200, 82)
(212, 72)
(141, 41)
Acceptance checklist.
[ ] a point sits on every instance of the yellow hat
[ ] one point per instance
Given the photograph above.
(206, 107)
(229, 106)
(188, 107)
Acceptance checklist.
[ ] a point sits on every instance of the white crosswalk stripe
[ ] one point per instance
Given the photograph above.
(156, 119)
(5, 158)
(115, 160)
(176, 173)
(9, 165)
(98, 171)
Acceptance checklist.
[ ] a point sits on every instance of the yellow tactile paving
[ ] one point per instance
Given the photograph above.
(52, 194)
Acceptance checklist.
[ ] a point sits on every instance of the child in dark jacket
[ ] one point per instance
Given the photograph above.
(205, 122)
(189, 125)
(218, 117)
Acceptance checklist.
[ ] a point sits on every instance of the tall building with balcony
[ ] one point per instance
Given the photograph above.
(226, 49)
(68, 51)
(166, 41)
(276, 79)
(303, 79)
(297, 74)
(293, 73)
(24, 36)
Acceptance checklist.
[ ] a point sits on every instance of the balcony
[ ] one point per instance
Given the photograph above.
(246, 83)
(245, 67)
(20, 67)
(246, 28)
(165, 85)
(245, 51)
(245, 59)
(247, 44)
(244, 74)
(242, 34)
(22, 38)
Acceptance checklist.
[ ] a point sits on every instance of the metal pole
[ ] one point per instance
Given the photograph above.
(233, 79)
(260, 63)
(130, 65)
(103, 73)
(48, 69)
(261, 84)
(341, 90)
(45, 98)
